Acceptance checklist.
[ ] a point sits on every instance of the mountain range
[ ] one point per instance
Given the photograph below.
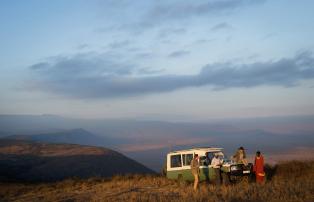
(73, 136)
(149, 141)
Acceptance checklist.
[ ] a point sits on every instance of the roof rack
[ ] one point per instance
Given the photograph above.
(206, 149)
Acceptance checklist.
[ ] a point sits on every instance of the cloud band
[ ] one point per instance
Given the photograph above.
(86, 76)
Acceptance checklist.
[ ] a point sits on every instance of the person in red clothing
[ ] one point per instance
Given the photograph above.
(259, 167)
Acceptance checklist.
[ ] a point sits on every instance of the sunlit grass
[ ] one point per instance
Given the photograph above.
(291, 181)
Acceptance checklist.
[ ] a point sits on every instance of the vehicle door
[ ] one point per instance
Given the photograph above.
(186, 166)
(211, 171)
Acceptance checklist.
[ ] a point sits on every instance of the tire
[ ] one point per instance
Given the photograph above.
(225, 178)
(245, 179)
(180, 180)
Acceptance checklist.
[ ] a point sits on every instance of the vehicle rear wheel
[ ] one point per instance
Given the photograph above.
(180, 180)
(225, 178)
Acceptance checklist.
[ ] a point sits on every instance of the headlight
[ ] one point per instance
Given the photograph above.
(233, 168)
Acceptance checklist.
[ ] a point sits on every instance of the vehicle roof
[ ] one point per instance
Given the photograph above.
(198, 149)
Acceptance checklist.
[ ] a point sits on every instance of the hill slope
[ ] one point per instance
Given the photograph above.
(33, 161)
(287, 182)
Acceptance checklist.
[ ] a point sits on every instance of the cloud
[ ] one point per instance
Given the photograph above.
(144, 55)
(284, 72)
(138, 16)
(177, 54)
(182, 10)
(89, 76)
(202, 41)
(149, 71)
(85, 65)
(267, 36)
(163, 33)
(119, 44)
(221, 26)
(82, 46)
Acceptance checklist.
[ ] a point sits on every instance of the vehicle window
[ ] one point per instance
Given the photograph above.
(187, 158)
(203, 161)
(175, 161)
(209, 156)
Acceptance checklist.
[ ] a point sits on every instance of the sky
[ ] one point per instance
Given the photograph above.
(157, 60)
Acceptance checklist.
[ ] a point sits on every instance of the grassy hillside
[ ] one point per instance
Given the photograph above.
(291, 181)
(28, 161)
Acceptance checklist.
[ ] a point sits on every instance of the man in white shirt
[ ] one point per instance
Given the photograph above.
(216, 163)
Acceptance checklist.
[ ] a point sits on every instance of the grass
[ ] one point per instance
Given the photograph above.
(291, 181)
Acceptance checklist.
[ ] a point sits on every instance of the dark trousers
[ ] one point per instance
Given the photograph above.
(217, 176)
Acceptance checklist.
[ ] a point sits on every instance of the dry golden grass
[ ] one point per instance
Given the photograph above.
(291, 181)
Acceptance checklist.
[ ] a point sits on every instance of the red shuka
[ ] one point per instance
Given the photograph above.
(259, 169)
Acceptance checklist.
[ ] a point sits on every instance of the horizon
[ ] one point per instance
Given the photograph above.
(231, 120)
(148, 141)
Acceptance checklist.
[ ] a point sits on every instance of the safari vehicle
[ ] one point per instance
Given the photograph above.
(179, 165)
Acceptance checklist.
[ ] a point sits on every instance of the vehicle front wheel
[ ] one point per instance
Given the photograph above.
(245, 179)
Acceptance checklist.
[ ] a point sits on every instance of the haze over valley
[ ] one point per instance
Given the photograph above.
(149, 141)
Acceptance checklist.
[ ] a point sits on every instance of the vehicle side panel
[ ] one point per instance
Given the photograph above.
(206, 173)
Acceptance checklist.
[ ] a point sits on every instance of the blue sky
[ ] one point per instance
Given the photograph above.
(165, 60)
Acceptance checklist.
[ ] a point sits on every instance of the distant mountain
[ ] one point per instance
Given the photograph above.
(4, 133)
(149, 141)
(30, 124)
(22, 160)
(74, 136)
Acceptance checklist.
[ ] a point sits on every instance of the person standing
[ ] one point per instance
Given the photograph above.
(216, 163)
(195, 168)
(240, 156)
(259, 167)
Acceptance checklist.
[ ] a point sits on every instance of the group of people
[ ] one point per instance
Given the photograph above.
(239, 158)
(258, 167)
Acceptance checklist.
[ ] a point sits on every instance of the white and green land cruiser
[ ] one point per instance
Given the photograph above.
(178, 165)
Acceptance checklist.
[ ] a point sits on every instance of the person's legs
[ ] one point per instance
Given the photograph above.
(195, 181)
(259, 179)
